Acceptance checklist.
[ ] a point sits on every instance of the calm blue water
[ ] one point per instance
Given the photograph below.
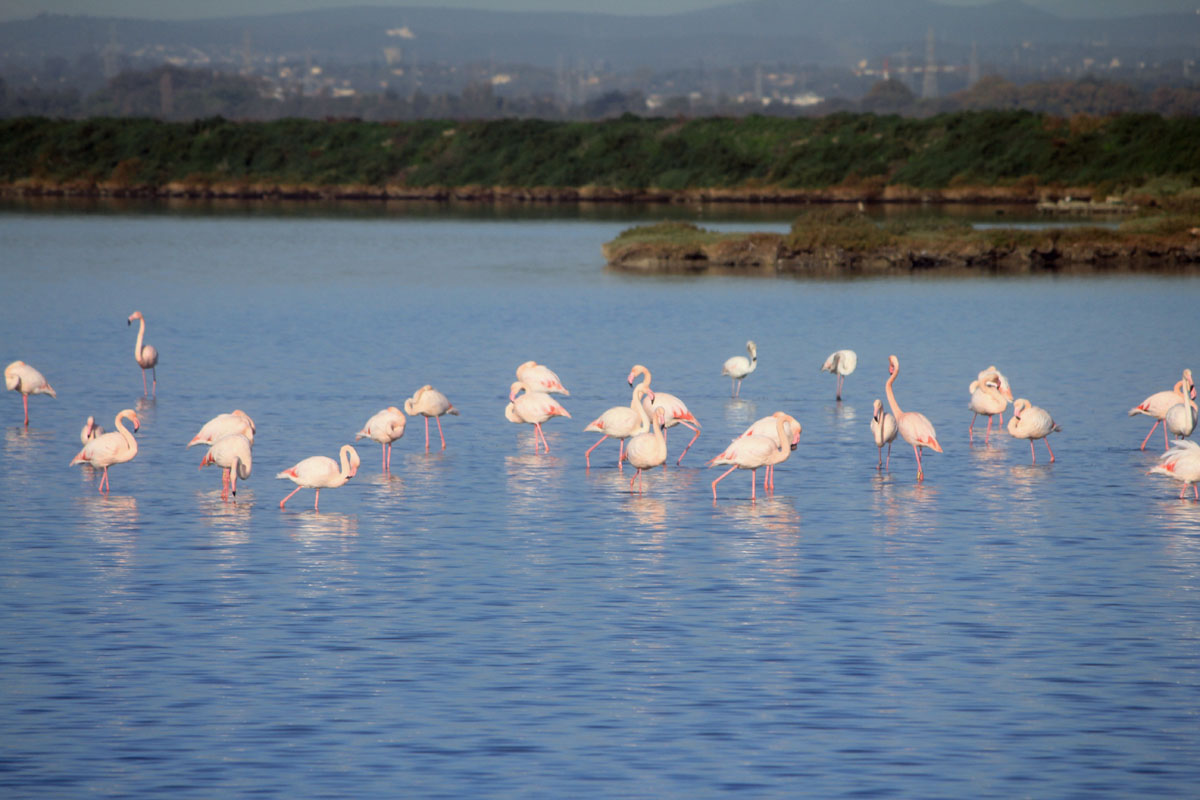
(490, 623)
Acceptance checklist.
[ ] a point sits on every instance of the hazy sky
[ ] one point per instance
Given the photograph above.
(194, 9)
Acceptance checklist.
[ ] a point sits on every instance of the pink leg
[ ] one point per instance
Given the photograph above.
(718, 480)
(443, 438)
(1047, 441)
(103, 480)
(1166, 442)
(537, 429)
(621, 456)
(25, 400)
(920, 471)
(689, 444)
(988, 433)
(888, 465)
(427, 434)
(880, 464)
(588, 455)
(753, 480)
(145, 388)
(971, 428)
(1149, 434)
(1000, 421)
(154, 381)
(1032, 451)
(1195, 491)
(383, 457)
(840, 378)
(289, 497)
(224, 484)
(317, 501)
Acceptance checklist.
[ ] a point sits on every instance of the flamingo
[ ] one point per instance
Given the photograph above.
(429, 402)
(1001, 383)
(20, 377)
(90, 430)
(321, 472)
(541, 378)
(914, 427)
(224, 425)
(883, 428)
(534, 408)
(1031, 422)
(146, 356)
(649, 449)
(986, 398)
(1157, 404)
(676, 411)
(752, 452)
(385, 427)
(738, 367)
(619, 422)
(116, 447)
(1182, 463)
(1181, 418)
(842, 363)
(233, 454)
(766, 427)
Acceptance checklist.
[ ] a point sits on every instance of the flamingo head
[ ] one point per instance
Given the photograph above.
(660, 416)
(513, 391)
(893, 365)
(133, 316)
(638, 369)
(1187, 376)
(1020, 405)
(877, 410)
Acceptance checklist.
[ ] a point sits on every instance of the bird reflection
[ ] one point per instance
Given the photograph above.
(843, 413)
(386, 484)
(1182, 517)
(905, 507)
(145, 407)
(21, 443)
(111, 518)
(311, 526)
(229, 516)
(771, 515)
(740, 412)
(649, 514)
(528, 476)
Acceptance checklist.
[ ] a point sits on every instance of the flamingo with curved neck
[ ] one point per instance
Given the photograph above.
(914, 427)
(145, 355)
(648, 449)
(621, 423)
(883, 429)
(987, 398)
(752, 452)
(116, 447)
(1031, 422)
(321, 472)
(675, 410)
(233, 454)
(738, 367)
(1158, 404)
(429, 402)
(767, 427)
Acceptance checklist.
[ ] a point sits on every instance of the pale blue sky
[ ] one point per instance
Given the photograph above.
(195, 9)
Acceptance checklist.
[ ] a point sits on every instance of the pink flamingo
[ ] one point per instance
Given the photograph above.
(767, 427)
(90, 430)
(1158, 404)
(619, 422)
(116, 447)
(752, 452)
(386, 427)
(321, 472)
(224, 425)
(233, 454)
(1182, 463)
(841, 363)
(986, 398)
(541, 378)
(1030, 422)
(913, 426)
(146, 356)
(647, 450)
(738, 367)
(675, 410)
(533, 408)
(20, 377)
(429, 402)
(883, 429)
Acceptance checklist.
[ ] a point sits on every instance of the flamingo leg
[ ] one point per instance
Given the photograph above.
(718, 480)
(753, 481)
(1155, 425)
(427, 434)
(1047, 441)
(224, 484)
(317, 501)
(988, 433)
(145, 387)
(880, 464)
(840, 379)
(920, 471)
(154, 383)
(1195, 491)
(383, 456)
(689, 444)
(104, 481)
(537, 430)
(888, 465)
(588, 455)
(443, 438)
(1032, 451)
(289, 497)
(971, 427)
(1166, 442)
(733, 387)
(25, 400)
(621, 455)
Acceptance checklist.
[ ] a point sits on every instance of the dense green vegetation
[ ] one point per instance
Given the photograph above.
(761, 154)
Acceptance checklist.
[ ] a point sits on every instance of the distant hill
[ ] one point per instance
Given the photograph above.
(756, 31)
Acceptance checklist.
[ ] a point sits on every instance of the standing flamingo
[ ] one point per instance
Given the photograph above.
(116, 447)
(676, 411)
(20, 377)
(767, 427)
(386, 427)
(533, 408)
(1182, 463)
(883, 428)
(146, 356)
(224, 425)
(752, 452)
(738, 367)
(986, 398)
(1180, 419)
(321, 472)
(1030, 422)
(619, 422)
(90, 430)
(649, 449)
(233, 454)
(842, 363)
(540, 378)
(914, 427)
(429, 402)
(1157, 404)
(1000, 383)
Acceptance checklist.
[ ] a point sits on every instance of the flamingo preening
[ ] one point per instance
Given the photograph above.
(840, 363)
(767, 427)
(386, 427)
(233, 454)
(675, 411)
(1031, 422)
(429, 402)
(986, 398)
(534, 408)
(883, 429)
(647, 450)
(223, 425)
(540, 378)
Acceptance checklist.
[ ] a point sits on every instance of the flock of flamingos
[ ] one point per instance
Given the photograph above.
(640, 427)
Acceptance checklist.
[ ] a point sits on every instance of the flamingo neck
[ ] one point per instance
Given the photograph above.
(891, 395)
(643, 407)
(125, 433)
(345, 456)
(781, 431)
(137, 346)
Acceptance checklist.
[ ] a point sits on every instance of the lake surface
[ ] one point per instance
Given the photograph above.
(487, 622)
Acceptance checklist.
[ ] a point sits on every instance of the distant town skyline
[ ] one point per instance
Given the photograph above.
(189, 9)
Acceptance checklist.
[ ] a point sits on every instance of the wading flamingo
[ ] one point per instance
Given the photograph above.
(385, 427)
(619, 422)
(988, 399)
(1181, 463)
(224, 425)
(321, 472)
(752, 452)
(233, 454)
(676, 411)
(1031, 422)
(841, 363)
(738, 367)
(429, 402)
(883, 429)
(20, 377)
(540, 378)
(90, 430)
(913, 426)
(533, 408)
(1181, 419)
(647, 450)
(116, 447)
(767, 427)
(1001, 383)
(145, 355)
(1157, 404)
